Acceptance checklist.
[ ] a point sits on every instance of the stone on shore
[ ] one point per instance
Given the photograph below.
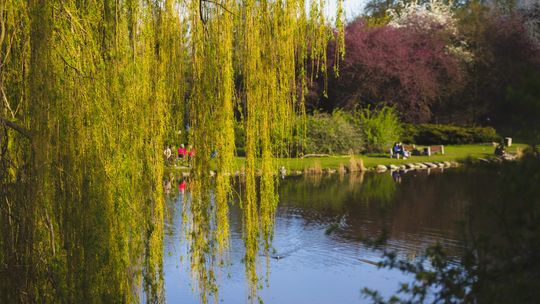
(392, 167)
(430, 165)
(420, 166)
(381, 168)
(410, 166)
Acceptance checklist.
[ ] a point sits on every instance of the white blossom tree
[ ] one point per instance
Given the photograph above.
(434, 15)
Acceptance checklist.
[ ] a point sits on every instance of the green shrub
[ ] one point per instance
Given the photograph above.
(380, 128)
(431, 134)
(330, 134)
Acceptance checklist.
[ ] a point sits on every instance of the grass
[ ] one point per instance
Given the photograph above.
(452, 153)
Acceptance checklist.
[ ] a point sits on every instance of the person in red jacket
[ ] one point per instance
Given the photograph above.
(182, 186)
(181, 151)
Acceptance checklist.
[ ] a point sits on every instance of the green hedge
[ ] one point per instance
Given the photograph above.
(431, 134)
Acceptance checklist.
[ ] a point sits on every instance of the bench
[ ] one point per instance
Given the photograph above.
(434, 150)
(407, 148)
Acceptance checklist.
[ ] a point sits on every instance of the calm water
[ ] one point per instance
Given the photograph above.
(317, 255)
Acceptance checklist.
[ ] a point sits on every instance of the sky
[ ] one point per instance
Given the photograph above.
(352, 8)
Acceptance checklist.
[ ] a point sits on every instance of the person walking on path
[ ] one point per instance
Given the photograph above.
(168, 154)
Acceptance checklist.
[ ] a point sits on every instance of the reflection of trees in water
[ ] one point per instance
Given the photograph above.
(380, 190)
(415, 213)
(335, 192)
(500, 261)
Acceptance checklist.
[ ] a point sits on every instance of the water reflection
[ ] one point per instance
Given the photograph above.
(316, 254)
(208, 246)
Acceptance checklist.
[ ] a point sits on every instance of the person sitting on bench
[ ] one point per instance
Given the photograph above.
(398, 150)
(500, 150)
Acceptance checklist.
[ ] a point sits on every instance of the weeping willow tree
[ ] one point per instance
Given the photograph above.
(90, 83)
(91, 90)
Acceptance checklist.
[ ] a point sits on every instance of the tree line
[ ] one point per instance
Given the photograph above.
(460, 62)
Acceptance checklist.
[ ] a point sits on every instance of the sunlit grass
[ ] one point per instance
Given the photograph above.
(452, 153)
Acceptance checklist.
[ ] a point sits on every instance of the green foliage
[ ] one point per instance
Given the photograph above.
(380, 128)
(522, 108)
(331, 134)
(92, 91)
(432, 134)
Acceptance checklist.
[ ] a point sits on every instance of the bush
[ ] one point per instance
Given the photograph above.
(379, 128)
(331, 134)
(431, 134)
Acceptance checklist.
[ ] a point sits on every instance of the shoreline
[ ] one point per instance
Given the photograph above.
(455, 156)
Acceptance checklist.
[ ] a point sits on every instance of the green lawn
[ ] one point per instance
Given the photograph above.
(452, 153)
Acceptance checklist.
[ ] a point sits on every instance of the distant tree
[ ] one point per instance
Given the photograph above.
(522, 107)
(408, 68)
(508, 54)
(433, 14)
(378, 8)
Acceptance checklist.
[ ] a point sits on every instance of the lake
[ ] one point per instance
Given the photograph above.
(317, 254)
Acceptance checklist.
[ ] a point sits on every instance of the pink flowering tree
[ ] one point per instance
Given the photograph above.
(401, 66)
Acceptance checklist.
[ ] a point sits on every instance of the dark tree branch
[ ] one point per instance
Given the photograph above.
(220, 5)
(201, 14)
(16, 127)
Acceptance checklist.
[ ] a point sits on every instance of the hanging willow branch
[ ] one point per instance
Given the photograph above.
(104, 88)
(16, 127)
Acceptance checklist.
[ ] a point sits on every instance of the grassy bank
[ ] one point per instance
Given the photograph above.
(452, 153)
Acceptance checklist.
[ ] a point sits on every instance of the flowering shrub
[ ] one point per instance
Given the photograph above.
(408, 69)
(433, 16)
